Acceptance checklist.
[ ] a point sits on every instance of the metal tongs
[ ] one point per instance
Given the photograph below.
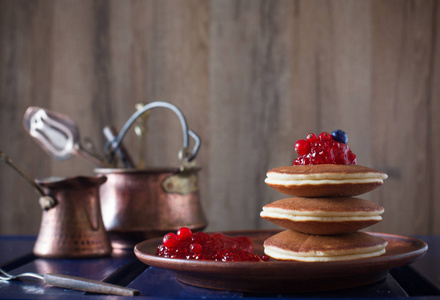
(74, 283)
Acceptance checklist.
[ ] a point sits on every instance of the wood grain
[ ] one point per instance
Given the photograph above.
(251, 77)
(402, 72)
(25, 80)
(434, 126)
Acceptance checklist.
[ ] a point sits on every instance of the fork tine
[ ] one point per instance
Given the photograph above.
(5, 275)
(8, 276)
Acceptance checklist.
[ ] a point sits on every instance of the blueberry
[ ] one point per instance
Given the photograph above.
(340, 136)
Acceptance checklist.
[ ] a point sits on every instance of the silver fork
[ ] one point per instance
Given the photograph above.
(74, 283)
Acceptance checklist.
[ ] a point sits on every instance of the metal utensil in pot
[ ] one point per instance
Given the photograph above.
(57, 134)
(110, 134)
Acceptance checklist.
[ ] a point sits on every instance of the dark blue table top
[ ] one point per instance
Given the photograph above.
(419, 280)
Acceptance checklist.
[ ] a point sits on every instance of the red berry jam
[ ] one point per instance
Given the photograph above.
(325, 149)
(203, 246)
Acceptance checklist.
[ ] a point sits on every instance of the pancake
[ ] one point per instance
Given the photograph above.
(323, 216)
(292, 245)
(324, 180)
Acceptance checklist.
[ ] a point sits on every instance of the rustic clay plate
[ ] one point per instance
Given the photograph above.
(285, 276)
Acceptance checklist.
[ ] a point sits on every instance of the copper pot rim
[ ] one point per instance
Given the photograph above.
(155, 170)
(75, 181)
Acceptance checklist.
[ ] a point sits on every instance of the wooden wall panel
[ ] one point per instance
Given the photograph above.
(76, 81)
(331, 83)
(401, 101)
(251, 77)
(250, 83)
(433, 136)
(25, 72)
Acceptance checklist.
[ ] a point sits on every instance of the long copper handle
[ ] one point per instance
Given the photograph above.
(46, 201)
(88, 285)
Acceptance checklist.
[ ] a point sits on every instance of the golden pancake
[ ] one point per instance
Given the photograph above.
(323, 216)
(292, 245)
(324, 180)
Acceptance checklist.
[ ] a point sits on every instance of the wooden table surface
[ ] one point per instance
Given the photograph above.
(418, 280)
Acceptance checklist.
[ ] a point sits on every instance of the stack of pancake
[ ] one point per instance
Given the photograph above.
(324, 217)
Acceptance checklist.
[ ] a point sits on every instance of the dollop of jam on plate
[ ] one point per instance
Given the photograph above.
(203, 246)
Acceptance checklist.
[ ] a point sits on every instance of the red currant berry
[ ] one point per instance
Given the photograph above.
(311, 137)
(170, 240)
(302, 147)
(265, 257)
(324, 136)
(184, 233)
(196, 248)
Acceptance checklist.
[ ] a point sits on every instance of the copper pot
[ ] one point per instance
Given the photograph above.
(73, 228)
(141, 204)
(138, 204)
(71, 225)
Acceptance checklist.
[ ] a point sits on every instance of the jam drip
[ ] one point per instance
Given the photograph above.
(203, 246)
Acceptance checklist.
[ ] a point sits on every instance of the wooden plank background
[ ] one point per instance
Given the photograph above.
(251, 77)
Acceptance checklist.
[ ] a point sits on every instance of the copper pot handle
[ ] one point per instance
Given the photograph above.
(184, 154)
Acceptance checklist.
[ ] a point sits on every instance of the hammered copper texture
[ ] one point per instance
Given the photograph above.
(74, 227)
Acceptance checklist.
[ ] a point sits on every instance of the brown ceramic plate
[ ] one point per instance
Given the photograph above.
(285, 276)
